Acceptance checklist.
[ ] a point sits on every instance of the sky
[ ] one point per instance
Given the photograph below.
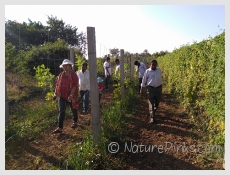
(133, 28)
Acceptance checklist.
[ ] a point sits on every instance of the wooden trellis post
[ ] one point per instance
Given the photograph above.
(94, 92)
(132, 67)
(72, 59)
(122, 72)
(7, 118)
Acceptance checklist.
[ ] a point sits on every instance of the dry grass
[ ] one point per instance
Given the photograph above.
(20, 86)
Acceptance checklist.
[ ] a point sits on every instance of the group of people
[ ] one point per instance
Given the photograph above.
(69, 83)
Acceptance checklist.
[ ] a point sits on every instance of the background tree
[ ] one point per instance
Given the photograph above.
(114, 52)
(35, 34)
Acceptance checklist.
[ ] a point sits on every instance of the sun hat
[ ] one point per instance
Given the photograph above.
(99, 80)
(66, 61)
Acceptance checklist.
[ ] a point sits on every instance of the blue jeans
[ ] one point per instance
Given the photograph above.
(85, 99)
(62, 103)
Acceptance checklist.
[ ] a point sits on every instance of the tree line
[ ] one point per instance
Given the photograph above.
(31, 43)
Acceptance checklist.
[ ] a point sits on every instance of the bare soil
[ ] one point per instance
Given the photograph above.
(170, 136)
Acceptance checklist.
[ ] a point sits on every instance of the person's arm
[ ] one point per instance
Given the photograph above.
(143, 83)
(107, 69)
(137, 69)
(75, 86)
(144, 66)
(72, 93)
(116, 70)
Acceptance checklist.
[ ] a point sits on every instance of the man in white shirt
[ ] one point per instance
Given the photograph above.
(108, 72)
(140, 68)
(84, 86)
(152, 79)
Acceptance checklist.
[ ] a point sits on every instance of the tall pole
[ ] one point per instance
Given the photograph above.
(7, 118)
(72, 56)
(122, 72)
(48, 35)
(94, 92)
(48, 43)
(132, 67)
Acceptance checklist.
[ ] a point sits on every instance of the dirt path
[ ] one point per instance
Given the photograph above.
(176, 147)
(171, 138)
(170, 129)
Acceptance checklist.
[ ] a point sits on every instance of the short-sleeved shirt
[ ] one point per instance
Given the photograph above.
(66, 82)
(107, 65)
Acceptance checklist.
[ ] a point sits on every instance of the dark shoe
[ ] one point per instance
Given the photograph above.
(73, 125)
(58, 130)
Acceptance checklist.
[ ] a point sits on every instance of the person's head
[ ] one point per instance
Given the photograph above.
(153, 64)
(108, 59)
(84, 66)
(66, 65)
(136, 63)
(117, 61)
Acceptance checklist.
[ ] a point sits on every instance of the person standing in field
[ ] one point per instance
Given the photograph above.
(107, 69)
(67, 92)
(84, 86)
(152, 80)
(140, 68)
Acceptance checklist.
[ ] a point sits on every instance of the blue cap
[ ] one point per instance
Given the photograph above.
(99, 80)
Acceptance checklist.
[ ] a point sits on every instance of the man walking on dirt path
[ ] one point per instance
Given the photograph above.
(140, 68)
(152, 80)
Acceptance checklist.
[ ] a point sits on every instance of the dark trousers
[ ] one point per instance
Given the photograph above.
(62, 103)
(100, 94)
(85, 99)
(154, 98)
(140, 81)
(107, 80)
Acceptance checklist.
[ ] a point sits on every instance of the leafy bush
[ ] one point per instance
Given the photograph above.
(196, 75)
